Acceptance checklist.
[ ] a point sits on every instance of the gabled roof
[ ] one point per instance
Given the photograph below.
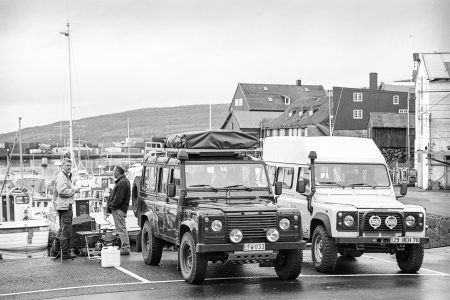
(271, 97)
(397, 86)
(391, 120)
(251, 119)
(437, 65)
(298, 114)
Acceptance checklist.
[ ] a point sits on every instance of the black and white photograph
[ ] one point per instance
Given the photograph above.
(210, 149)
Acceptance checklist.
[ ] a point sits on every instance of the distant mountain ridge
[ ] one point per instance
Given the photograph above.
(144, 123)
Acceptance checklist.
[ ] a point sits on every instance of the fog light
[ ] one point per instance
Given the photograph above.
(272, 235)
(236, 236)
(284, 224)
(216, 225)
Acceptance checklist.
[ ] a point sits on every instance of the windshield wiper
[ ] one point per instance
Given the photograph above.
(205, 185)
(238, 185)
(361, 184)
(331, 182)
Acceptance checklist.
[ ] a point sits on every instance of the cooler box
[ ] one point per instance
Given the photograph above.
(110, 257)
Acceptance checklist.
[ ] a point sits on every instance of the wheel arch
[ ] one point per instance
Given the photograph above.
(320, 219)
(188, 226)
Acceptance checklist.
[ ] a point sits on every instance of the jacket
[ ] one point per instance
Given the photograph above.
(64, 191)
(120, 195)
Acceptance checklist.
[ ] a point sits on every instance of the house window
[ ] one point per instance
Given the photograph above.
(287, 100)
(270, 99)
(268, 132)
(238, 102)
(290, 114)
(306, 89)
(275, 132)
(402, 111)
(357, 97)
(282, 132)
(266, 88)
(396, 100)
(357, 114)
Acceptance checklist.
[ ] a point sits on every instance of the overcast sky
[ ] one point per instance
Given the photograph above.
(130, 54)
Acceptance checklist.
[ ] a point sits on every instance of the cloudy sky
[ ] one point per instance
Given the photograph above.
(130, 54)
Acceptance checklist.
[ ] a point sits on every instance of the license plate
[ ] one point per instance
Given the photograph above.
(254, 247)
(404, 240)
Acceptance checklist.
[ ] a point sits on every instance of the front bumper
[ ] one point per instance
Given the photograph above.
(203, 248)
(372, 240)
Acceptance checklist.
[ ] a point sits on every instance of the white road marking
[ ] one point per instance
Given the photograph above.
(392, 262)
(132, 275)
(211, 279)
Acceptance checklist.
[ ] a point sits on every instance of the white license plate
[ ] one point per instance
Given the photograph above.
(254, 247)
(405, 240)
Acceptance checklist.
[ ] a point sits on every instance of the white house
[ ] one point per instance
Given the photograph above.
(432, 143)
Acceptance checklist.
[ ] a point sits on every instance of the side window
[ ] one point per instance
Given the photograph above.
(150, 179)
(272, 171)
(176, 179)
(303, 175)
(285, 175)
(164, 178)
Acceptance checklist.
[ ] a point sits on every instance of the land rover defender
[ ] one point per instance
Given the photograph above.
(206, 195)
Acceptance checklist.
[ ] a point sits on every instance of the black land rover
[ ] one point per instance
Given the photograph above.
(203, 194)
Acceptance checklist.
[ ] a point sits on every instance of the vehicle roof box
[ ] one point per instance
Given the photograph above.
(213, 139)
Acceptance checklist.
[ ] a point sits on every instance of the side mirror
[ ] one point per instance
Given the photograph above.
(301, 187)
(171, 190)
(403, 189)
(278, 188)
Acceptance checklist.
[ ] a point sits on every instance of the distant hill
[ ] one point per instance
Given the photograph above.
(144, 123)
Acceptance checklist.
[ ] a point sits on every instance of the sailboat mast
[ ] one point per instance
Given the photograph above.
(72, 154)
(20, 150)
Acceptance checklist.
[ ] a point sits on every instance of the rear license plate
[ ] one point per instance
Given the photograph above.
(405, 240)
(254, 247)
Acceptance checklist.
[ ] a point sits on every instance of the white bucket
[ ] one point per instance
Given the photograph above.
(110, 257)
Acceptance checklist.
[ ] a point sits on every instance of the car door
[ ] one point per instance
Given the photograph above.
(171, 205)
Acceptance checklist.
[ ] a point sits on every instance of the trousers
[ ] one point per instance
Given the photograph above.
(121, 228)
(65, 228)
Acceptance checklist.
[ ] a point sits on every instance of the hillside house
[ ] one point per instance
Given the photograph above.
(352, 106)
(432, 144)
(254, 104)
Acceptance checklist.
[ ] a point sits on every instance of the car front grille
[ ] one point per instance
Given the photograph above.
(383, 216)
(253, 225)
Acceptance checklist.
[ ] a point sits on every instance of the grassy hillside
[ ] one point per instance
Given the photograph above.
(144, 123)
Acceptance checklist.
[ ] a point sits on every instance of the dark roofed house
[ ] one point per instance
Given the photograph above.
(254, 104)
(305, 117)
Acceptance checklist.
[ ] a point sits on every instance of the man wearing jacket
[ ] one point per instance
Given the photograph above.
(118, 204)
(63, 204)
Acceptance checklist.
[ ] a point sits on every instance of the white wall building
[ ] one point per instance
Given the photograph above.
(432, 143)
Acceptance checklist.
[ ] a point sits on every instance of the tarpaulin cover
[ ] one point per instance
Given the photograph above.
(220, 139)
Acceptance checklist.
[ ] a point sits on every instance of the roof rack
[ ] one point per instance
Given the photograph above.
(172, 152)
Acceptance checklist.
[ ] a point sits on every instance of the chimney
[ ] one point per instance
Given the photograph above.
(373, 81)
(299, 82)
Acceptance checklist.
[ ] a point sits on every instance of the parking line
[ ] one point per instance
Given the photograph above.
(132, 274)
(380, 259)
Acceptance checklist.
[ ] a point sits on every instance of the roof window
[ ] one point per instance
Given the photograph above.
(266, 88)
(270, 99)
(306, 89)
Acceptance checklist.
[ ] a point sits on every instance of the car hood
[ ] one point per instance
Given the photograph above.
(361, 200)
(237, 205)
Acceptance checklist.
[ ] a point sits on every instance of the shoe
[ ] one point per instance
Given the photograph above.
(72, 254)
(124, 252)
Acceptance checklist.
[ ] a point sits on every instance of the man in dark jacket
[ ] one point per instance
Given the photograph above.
(118, 205)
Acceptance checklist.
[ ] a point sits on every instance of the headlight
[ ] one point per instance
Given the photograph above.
(410, 221)
(349, 221)
(236, 236)
(272, 235)
(216, 225)
(284, 224)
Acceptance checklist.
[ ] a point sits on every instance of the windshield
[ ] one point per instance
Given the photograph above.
(226, 175)
(351, 175)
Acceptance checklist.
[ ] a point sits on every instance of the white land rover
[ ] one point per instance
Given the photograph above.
(347, 201)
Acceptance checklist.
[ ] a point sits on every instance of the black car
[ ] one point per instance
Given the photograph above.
(211, 200)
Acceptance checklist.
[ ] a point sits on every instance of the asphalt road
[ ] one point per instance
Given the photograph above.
(373, 276)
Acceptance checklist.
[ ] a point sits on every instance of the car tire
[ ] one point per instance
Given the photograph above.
(135, 194)
(151, 246)
(323, 251)
(410, 260)
(139, 242)
(288, 264)
(193, 265)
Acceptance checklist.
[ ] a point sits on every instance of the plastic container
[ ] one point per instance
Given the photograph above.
(110, 257)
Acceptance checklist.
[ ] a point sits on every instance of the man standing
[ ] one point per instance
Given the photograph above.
(63, 204)
(118, 204)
